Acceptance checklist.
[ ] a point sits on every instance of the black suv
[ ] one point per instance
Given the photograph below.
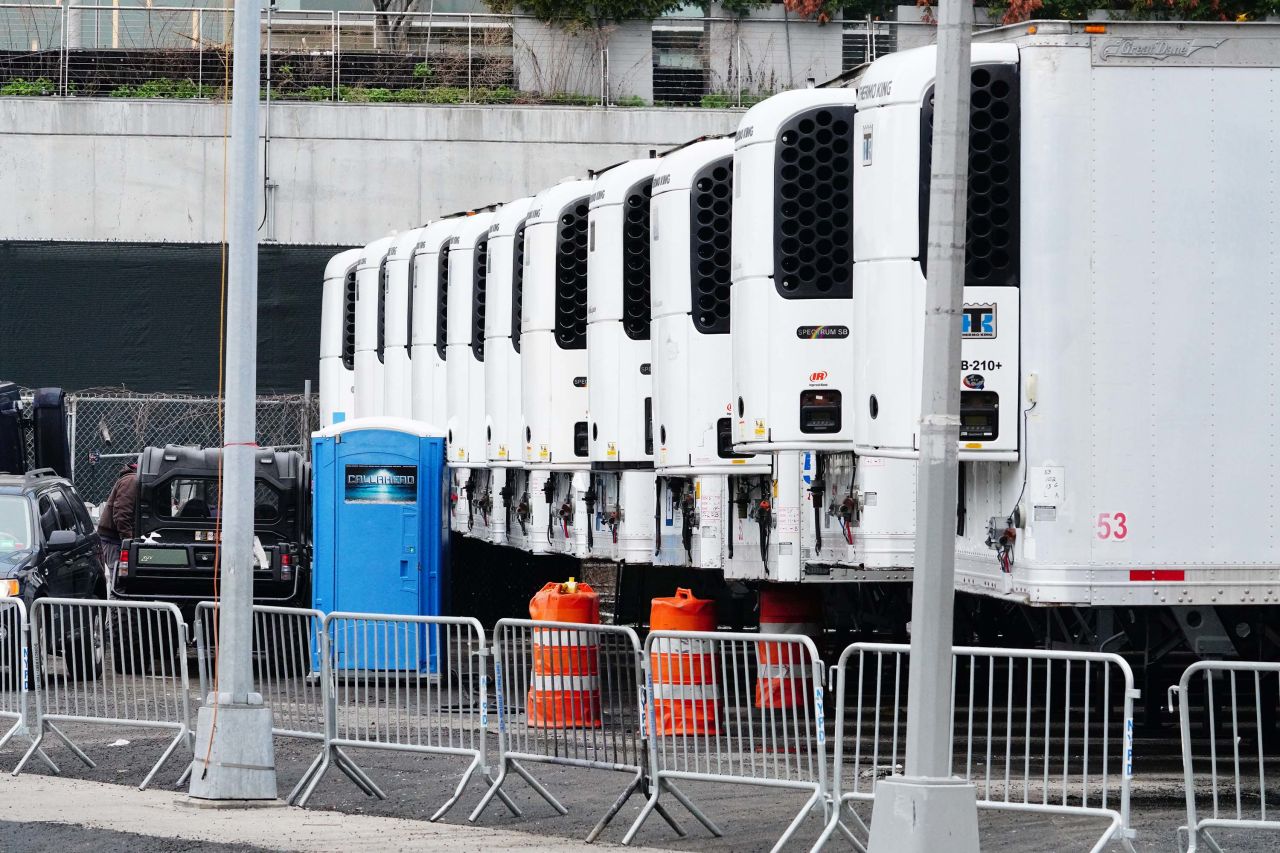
(49, 549)
(48, 543)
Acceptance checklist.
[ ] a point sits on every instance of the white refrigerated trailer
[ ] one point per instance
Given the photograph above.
(1118, 420)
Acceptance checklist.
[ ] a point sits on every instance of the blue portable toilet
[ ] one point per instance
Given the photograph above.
(381, 531)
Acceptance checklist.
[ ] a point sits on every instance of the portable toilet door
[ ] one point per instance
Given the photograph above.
(380, 545)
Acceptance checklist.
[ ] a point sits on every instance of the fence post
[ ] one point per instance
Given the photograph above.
(199, 34)
(305, 417)
(604, 75)
(71, 428)
(63, 60)
(336, 52)
(737, 65)
(470, 96)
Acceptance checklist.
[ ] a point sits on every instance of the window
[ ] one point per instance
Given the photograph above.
(266, 503)
(49, 521)
(187, 498)
(82, 514)
(15, 524)
(197, 499)
(67, 517)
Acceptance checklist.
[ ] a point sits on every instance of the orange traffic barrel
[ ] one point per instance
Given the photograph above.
(684, 679)
(783, 669)
(564, 688)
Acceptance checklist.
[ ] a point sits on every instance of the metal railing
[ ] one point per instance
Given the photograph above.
(405, 684)
(180, 52)
(15, 678)
(569, 694)
(286, 652)
(734, 708)
(1227, 721)
(1046, 732)
(1034, 730)
(108, 663)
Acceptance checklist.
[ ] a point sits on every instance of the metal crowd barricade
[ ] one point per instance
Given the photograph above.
(13, 657)
(1034, 730)
(15, 679)
(712, 720)
(287, 653)
(404, 684)
(108, 663)
(568, 694)
(1246, 695)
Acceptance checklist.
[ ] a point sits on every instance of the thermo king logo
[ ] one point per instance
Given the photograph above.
(978, 321)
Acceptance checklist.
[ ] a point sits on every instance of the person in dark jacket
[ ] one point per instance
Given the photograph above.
(115, 521)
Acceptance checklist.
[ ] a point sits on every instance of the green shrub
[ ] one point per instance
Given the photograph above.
(572, 99)
(316, 93)
(408, 96)
(498, 95)
(632, 101)
(445, 95)
(717, 101)
(354, 94)
(22, 87)
(423, 71)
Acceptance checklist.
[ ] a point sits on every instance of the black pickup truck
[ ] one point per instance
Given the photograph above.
(171, 555)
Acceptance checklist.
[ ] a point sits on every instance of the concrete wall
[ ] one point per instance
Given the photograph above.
(347, 173)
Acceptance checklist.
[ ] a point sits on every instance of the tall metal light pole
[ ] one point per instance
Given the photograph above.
(926, 810)
(234, 754)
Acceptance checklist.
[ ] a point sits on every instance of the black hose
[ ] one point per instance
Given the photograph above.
(657, 516)
(817, 492)
(729, 517)
(590, 500)
(549, 489)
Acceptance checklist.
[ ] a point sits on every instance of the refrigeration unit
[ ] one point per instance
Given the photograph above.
(701, 521)
(429, 318)
(517, 518)
(472, 503)
(620, 500)
(338, 339)
(821, 515)
(395, 310)
(371, 291)
(1116, 433)
(553, 362)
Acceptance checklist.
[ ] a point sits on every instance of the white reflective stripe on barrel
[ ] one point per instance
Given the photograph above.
(681, 646)
(557, 683)
(685, 692)
(808, 629)
(564, 637)
(792, 671)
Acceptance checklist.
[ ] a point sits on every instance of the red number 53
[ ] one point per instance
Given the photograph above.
(1113, 525)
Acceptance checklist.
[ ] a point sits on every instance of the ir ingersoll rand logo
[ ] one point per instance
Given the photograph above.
(978, 321)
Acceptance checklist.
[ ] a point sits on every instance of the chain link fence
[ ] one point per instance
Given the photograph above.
(437, 58)
(108, 429)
